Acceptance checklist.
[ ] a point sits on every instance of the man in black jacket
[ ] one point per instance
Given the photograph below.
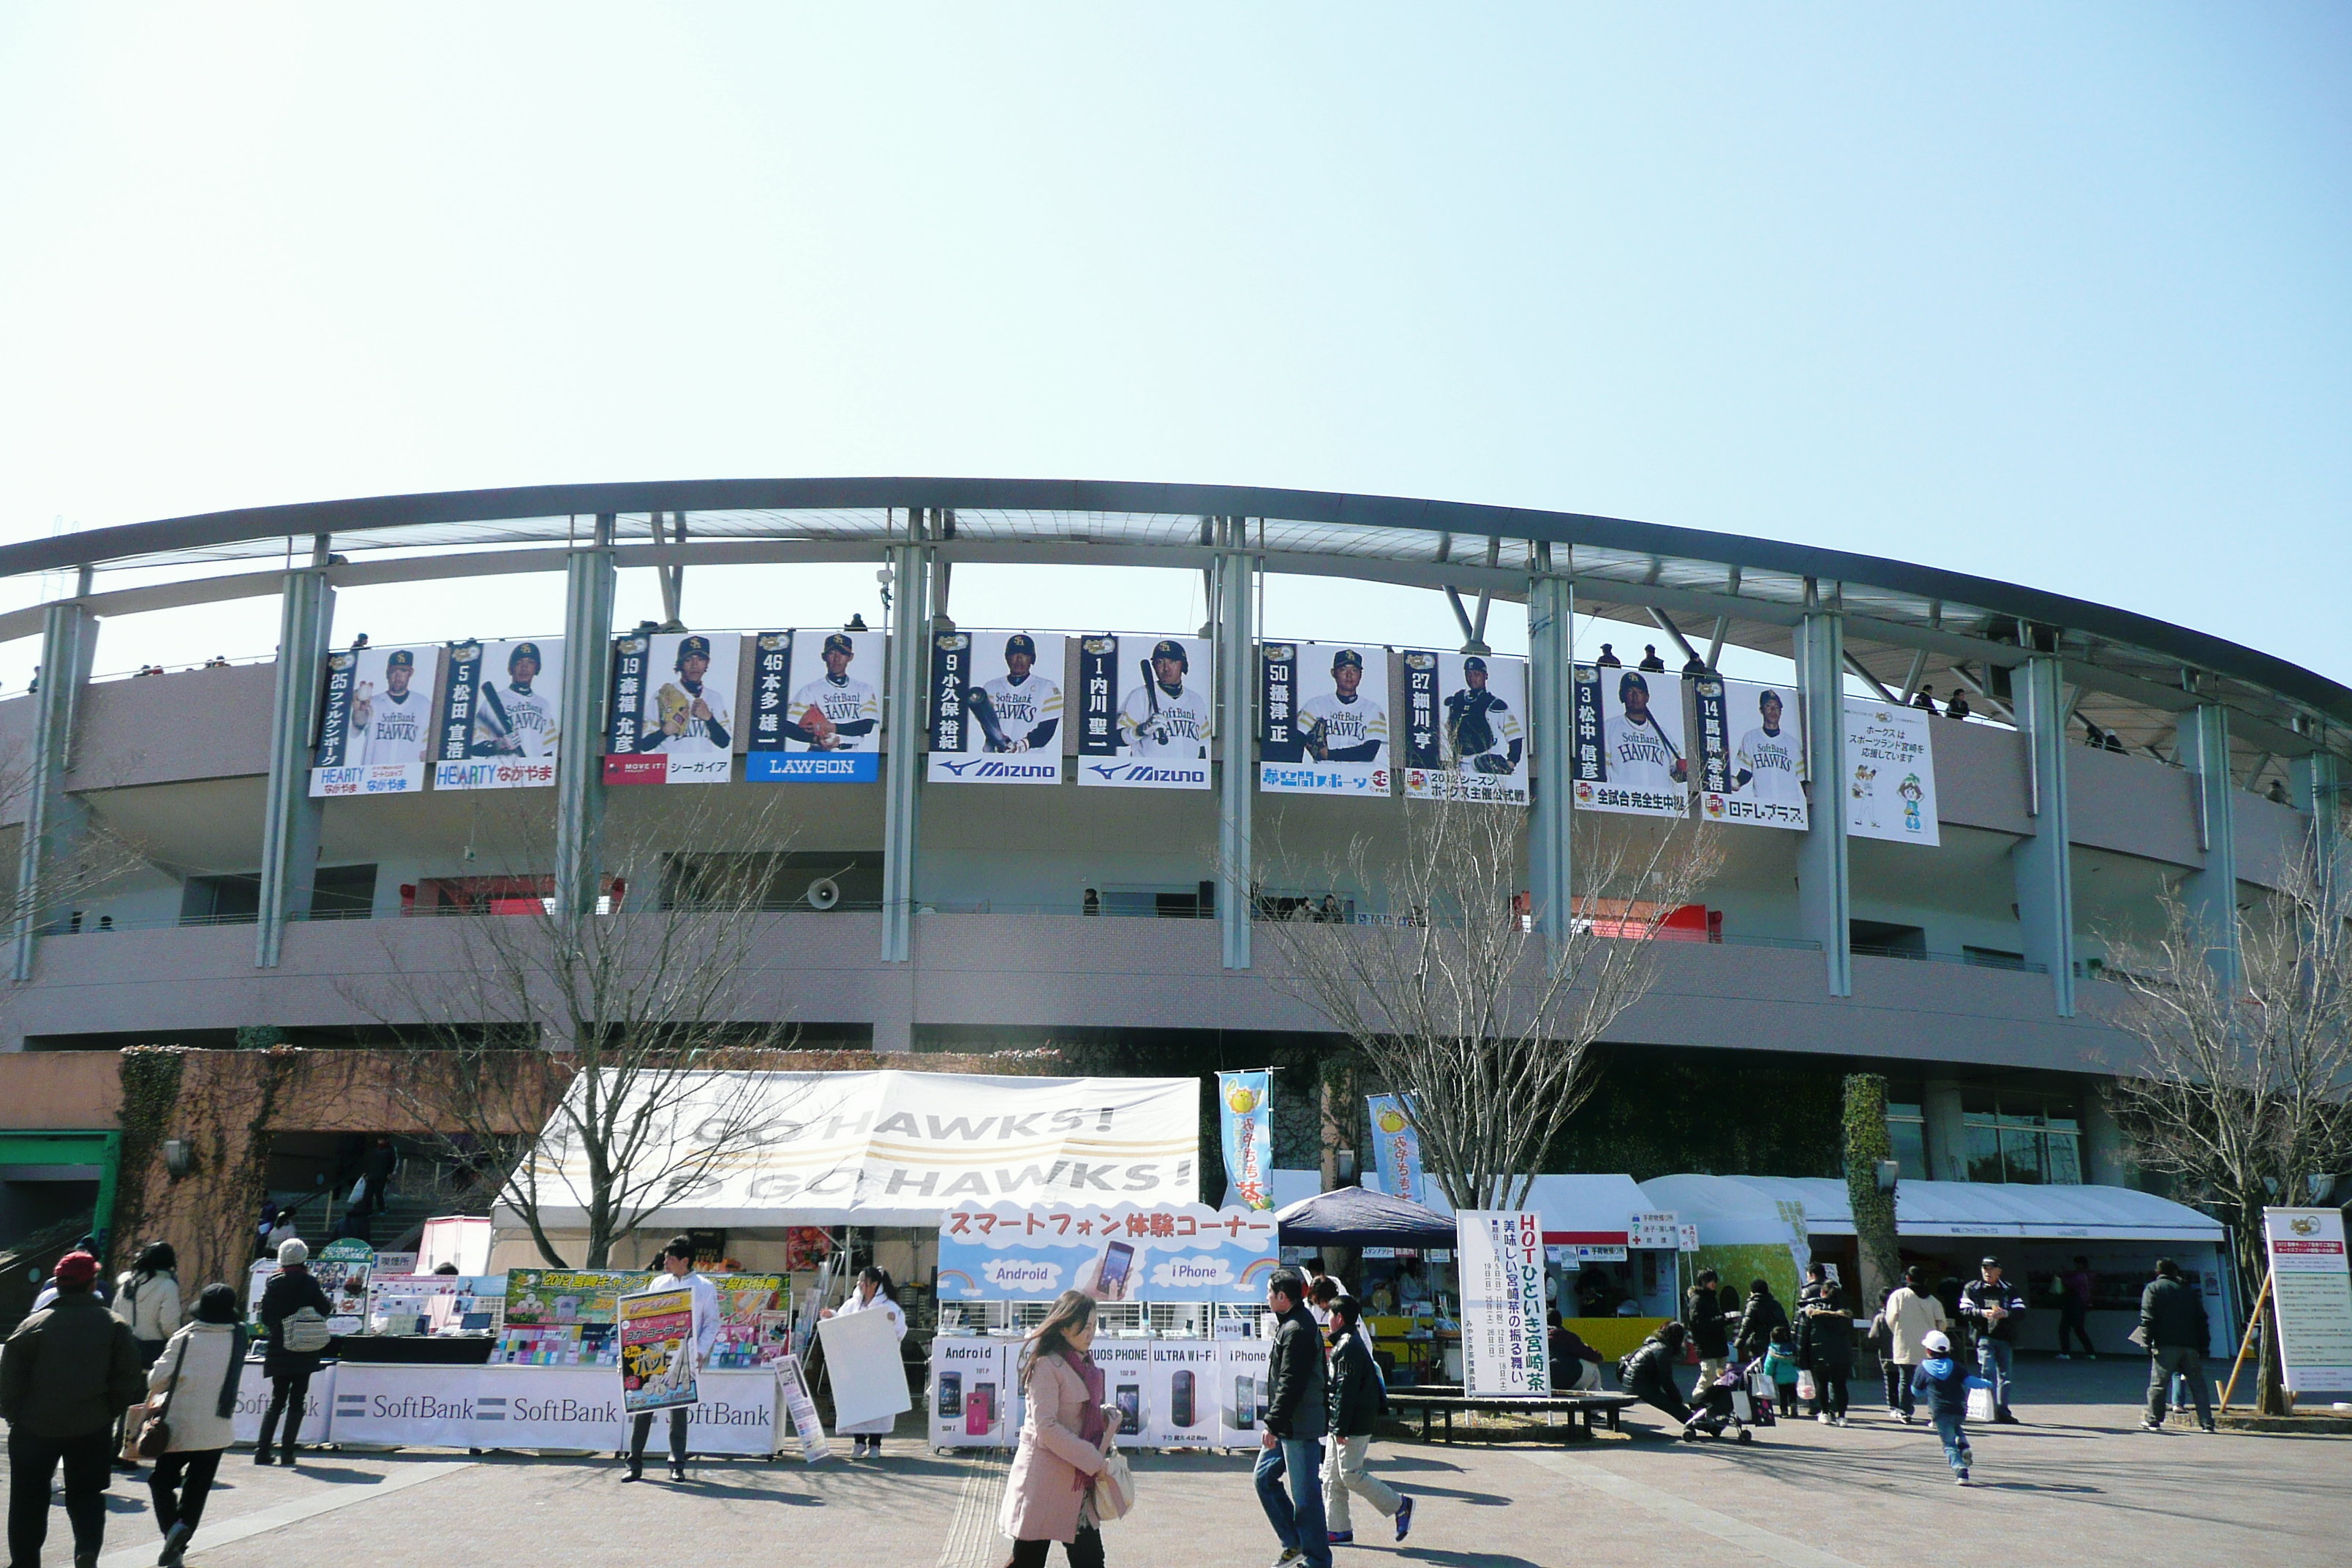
(1703, 1316)
(1990, 1305)
(1295, 1421)
(65, 1374)
(2172, 1320)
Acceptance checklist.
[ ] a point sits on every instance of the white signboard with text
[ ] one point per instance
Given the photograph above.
(2311, 1286)
(1504, 1351)
(1890, 773)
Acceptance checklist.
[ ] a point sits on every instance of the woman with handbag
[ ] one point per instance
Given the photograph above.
(146, 1296)
(295, 1311)
(191, 1415)
(1067, 1442)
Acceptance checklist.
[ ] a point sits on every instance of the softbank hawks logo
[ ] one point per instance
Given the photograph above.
(998, 768)
(404, 1407)
(1149, 773)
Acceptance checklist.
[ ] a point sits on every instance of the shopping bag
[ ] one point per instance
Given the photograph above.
(1113, 1487)
(1980, 1405)
(1806, 1388)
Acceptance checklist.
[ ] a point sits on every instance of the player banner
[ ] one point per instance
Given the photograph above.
(658, 1349)
(672, 702)
(814, 717)
(501, 716)
(1890, 773)
(373, 729)
(1324, 720)
(1463, 739)
(1248, 1122)
(996, 707)
(1396, 1148)
(1752, 754)
(1503, 1351)
(1114, 1252)
(1145, 721)
(1629, 755)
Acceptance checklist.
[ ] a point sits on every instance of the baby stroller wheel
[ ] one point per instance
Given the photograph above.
(1746, 1435)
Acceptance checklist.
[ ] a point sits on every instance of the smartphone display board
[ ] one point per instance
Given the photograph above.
(1241, 1390)
(967, 1406)
(1183, 1392)
(1127, 1378)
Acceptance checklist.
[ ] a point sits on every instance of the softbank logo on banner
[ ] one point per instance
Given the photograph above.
(404, 1407)
(1023, 1275)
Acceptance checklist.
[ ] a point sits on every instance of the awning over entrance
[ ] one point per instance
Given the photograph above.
(1732, 1209)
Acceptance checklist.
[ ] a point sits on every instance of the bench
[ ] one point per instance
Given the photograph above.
(1442, 1402)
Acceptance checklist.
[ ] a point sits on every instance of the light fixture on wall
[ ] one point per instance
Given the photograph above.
(179, 1157)
(1889, 1170)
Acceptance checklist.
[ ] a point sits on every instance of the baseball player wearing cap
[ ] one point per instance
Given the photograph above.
(1639, 756)
(1482, 734)
(1028, 706)
(1345, 726)
(391, 727)
(514, 718)
(1768, 757)
(834, 712)
(690, 720)
(1162, 717)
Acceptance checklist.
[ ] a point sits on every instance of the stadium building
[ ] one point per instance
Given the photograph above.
(1903, 891)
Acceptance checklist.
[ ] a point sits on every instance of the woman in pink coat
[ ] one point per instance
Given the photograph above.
(1064, 1437)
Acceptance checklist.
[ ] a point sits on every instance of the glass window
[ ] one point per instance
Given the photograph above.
(2020, 1156)
(1984, 1154)
(1977, 1102)
(2065, 1161)
(1910, 1141)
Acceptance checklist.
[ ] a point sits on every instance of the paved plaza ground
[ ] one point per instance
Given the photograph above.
(2077, 1484)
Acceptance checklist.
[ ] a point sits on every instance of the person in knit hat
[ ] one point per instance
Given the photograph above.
(65, 1374)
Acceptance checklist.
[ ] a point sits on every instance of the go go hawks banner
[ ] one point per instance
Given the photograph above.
(1247, 1118)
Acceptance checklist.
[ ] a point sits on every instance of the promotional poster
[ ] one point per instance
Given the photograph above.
(1890, 765)
(1145, 706)
(672, 705)
(1323, 712)
(1114, 1252)
(1396, 1148)
(658, 1351)
(1630, 755)
(2313, 1286)
(1465, 733)
(376, 724)
(1504, 1351)
(501, 716)
(1180, 1394)
(996, 707)
(1751, 749)
(1246, 1121)
(816, 696)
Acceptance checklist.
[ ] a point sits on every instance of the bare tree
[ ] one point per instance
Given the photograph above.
(637, 1011)
(1484, 1024)
(2236, 1086)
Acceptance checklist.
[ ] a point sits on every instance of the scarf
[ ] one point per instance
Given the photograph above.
(1093, 1423)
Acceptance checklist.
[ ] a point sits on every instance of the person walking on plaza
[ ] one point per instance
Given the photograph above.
(874, 1292)
(47, 1294)
(1290, 1467)
(1703, 1317)
(1912, 1314)
(1760, 1320)
(1359, 1397)
(677, 1272)
(1992, 1305)
(2173, 1323)
(197, 1377)
(290, 1292)
(1067, 1431)
(1648, 1374)
(65, 1374)
(1939, 1378)
(1825, 1349)
(147, 1297)
(2075, 1310)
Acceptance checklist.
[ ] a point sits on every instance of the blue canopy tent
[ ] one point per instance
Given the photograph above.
(1356, 1217)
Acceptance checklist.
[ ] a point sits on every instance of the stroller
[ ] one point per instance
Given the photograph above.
(1738, 1400)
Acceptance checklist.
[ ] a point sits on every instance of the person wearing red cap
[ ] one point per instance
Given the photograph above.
(65, 1374)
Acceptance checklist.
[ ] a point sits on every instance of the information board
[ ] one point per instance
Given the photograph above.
(1503, 1351)
(2311, 1284)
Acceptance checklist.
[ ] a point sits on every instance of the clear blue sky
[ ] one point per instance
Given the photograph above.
(2057, 293)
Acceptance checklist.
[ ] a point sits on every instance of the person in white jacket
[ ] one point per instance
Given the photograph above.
(677, 1263)
(874, 1292)
(147, 1297)
(1912, 1314)
(199, 1370)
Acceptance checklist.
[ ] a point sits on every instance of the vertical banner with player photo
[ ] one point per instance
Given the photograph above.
(1751, 753)
(373, 727)
(1465, 738)
(826, 714)
(1630, 754)
(1325, 725)
(672, 702)
(1146, 719)
(996, 707)
(1890, 765)
(501, 716)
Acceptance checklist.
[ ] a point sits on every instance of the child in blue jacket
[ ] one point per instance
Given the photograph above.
(1941, 1381)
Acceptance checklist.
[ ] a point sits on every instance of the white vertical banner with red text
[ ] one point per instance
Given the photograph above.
(1504, 1351)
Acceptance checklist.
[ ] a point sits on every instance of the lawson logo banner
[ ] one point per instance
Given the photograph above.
(1115, 1252)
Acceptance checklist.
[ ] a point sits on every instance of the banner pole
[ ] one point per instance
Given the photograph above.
(2253, 1323)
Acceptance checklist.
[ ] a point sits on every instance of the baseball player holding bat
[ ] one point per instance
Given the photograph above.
(690, 718)
(1019, 710)
(1638, 754)
(1163, 717)
(1482, 734)
(512, 718)
(834, 712)
(390, 728)
(1345, 726)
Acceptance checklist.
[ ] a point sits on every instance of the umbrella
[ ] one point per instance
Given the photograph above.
(1354, 1217)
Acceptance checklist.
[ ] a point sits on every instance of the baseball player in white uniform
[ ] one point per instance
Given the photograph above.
(1767, 759)
(513, 719)
(834, 712)
(1345, 726)
(1637, 754)
(1482, 734)
(1026, 706)
(1162, 717)
(391, 727)
(690, 720)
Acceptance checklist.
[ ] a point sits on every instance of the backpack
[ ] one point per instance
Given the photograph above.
(305, 1332)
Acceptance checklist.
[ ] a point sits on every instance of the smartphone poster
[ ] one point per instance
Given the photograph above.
(967, 1406)
(1183, 1393)
(1241, 1390)
(1127, 1378)
(1118, 1252)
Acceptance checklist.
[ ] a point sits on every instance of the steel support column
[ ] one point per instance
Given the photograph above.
(902, 729)
(1551, 609)
(580, 755)
(2212, 893)
(290, 817)
(1236, 731)
(52, 819)
(2042, 866)
(2319, 794)
(1824, 883)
